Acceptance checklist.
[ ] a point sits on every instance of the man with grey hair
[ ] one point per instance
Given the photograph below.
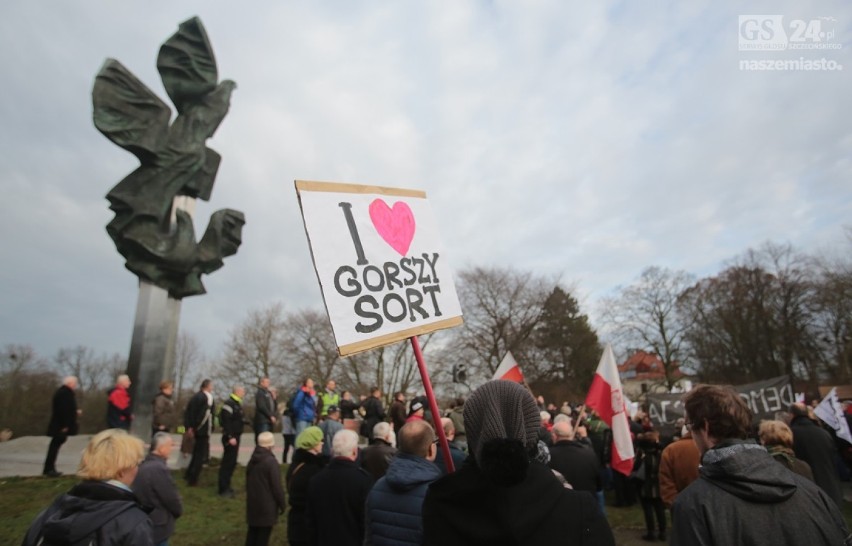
(337, 495)
(119, 414)
(155, 488)
(63, 423)
(376, 458)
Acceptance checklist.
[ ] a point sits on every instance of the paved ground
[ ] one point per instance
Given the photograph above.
(25, 456)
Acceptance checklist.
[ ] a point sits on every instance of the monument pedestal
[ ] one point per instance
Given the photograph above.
(152, 351)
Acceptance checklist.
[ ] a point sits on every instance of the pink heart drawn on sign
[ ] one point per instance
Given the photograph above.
(395, 225)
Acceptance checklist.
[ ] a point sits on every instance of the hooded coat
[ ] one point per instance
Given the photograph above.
(742, 496)
(92, 506)
(467, 508)
(395, 503)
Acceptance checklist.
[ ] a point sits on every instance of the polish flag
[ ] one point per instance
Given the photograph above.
(509, 370)
(606, 398)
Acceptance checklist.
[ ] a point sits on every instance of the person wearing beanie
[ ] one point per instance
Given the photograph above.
(503, 495)
(264, 493)
(330, 426)
(307, 462)
(415, 413)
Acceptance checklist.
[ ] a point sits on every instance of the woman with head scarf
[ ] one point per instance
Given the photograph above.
(504, 496)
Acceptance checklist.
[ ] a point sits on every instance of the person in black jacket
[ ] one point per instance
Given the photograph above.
(336, 497)
(575, 460)
(198, 421)
(265, 499)
(502, 495)
(377, 456)
(264, 409)
(307, 462)
(374, 411)
(63, 423)
(814, 445)
(742, 496)
(101, 508)
(232, 422)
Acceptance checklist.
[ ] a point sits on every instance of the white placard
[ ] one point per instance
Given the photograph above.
(379, 263)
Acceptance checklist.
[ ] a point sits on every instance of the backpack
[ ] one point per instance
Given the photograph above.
(291, 402)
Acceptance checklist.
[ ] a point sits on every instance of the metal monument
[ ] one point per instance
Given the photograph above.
(154, 205)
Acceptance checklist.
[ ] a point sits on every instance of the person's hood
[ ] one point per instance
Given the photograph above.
(747, 471)
(84, 509)
(409, 471)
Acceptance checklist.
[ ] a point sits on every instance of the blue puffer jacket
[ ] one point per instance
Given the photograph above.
(305, 406)
(395, 502)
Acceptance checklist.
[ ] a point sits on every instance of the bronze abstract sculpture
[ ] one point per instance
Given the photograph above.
(157, 241)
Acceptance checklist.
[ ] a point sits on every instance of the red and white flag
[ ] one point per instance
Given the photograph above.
(606, 398)
(509, 369)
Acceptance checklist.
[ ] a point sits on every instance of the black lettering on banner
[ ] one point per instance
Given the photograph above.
(380, 285)
(360, 303)
(403, 263)
(432, 263)
(352, 281)
(386, 307)
(391, 272)
(417, 262)
(397, 289)
(431, 291)
(415, 303)
(353, 232)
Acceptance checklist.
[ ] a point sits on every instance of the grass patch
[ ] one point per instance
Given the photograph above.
(207, 518)
(210, 519)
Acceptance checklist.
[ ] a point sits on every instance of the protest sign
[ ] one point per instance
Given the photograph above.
(378, 259)
(764, 398)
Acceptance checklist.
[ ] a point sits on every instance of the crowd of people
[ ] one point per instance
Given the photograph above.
(526, 472)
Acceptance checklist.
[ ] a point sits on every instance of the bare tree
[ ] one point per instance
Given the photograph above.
(256, 348)
(645, 316)
(188, 363)
(81, 362)
(502, 308)
(391, 367)
(26, 382)
(310, 347)
(832, 308)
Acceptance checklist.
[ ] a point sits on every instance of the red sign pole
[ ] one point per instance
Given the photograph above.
(433, 405)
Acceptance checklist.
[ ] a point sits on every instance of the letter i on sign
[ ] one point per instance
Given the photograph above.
(353, 232)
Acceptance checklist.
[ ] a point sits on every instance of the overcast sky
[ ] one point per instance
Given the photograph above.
(585, 140)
